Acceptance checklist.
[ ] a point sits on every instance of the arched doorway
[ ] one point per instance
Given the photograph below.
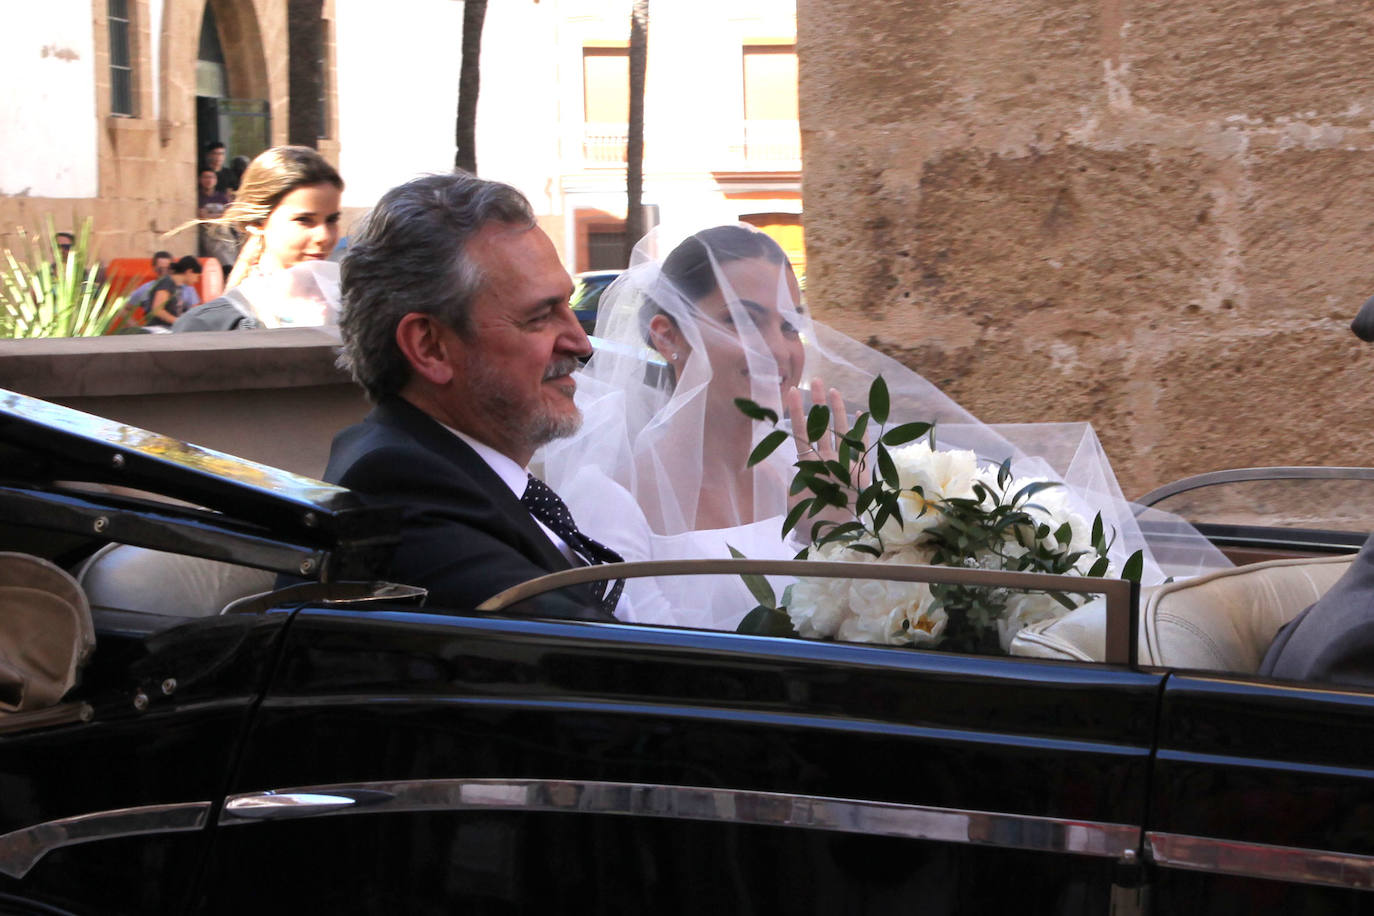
(231, 81)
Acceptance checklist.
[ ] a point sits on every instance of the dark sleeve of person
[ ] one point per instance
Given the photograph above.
(216, 315)
(454, 541)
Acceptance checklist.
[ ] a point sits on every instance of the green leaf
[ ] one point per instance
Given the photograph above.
(817, 422)
(1004, 474)
(856, 432)
(1063, 599)
(755, 411)
(1099, 568)
(866, 548)
(1135, 567)
(758, 586)
(766, 621)
(1097, 532)
(887, 468)
(1032, 488)
(878, 402)
(795, 515)
(766, 446)
(907, 432)
(1064, 533)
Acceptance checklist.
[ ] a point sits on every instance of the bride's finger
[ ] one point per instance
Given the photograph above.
(792, 405)
(839, 417)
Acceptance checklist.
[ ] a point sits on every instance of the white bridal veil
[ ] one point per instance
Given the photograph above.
(658, 469)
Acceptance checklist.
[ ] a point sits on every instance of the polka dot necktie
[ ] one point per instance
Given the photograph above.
(549, 508)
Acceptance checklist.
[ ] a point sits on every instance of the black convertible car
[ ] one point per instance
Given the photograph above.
(335, 745)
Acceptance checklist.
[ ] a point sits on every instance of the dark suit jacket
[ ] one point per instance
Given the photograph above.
(464, 535)
(1333, 640)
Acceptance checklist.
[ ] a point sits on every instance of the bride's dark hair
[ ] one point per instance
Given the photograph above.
(691, 267)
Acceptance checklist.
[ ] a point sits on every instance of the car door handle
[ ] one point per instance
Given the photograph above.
(263, 806)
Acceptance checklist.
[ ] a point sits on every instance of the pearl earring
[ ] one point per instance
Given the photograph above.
(674, 356)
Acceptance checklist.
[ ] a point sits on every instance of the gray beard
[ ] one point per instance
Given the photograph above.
(534, 429)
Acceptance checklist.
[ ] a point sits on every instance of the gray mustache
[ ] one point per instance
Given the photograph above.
(561, 366)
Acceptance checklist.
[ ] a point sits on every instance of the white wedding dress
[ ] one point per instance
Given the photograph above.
(657, 404)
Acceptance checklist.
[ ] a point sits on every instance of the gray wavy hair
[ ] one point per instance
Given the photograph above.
(410, 255)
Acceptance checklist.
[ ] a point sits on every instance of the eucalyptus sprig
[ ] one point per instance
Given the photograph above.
(838, 483)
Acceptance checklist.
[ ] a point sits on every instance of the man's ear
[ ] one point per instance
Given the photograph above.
(426, 343)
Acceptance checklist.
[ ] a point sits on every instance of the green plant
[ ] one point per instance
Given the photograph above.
(46, 294)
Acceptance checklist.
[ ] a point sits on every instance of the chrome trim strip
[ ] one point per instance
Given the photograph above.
(1238, 475)
(815, 812)
(1257, 860)
(1117, 592)
(21, 849)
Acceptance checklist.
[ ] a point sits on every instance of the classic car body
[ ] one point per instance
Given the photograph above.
(343, 748)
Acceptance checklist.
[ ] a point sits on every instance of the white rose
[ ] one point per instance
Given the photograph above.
(893, 613)
(819, 605)
(938, 475)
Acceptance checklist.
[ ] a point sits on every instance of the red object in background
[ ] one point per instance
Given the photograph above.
(127, 274)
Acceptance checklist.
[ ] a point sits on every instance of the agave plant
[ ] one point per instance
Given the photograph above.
(44, 293)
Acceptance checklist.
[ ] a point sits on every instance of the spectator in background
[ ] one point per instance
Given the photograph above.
(165, 306)
(238, 165)
(143, 295)
(222, 245)
(226, 182)
(65, 241)
(288, 210)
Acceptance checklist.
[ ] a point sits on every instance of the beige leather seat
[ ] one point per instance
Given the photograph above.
(46, 633)
(1223, 621)
(155, 582)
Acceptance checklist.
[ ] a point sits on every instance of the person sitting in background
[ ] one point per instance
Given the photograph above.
(164, 308)
(142, 295)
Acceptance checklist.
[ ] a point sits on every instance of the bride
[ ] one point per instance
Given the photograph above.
(659, 469)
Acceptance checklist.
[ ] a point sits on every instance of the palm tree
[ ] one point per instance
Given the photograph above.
(634, 146)
(469, 82)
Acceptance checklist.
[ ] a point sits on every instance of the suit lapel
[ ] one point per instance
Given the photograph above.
(525, 532)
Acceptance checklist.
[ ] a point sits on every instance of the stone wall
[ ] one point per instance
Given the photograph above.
(1151, 216)
(274, 396)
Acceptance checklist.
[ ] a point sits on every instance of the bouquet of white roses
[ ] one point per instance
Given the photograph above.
(922, 506)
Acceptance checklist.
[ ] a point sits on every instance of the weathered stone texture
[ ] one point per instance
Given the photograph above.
(880, 63)
(1294, 397)
(1306, 230)
(1268, 61)
(1113, 245)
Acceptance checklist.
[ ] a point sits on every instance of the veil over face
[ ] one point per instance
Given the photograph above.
(696, 323)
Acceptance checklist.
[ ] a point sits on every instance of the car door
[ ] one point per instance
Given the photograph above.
(1263, 799)
(408, 762)
(107, 812)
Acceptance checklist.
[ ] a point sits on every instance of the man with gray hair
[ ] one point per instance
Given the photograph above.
(456, 323)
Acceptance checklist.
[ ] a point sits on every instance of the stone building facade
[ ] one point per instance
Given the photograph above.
(74, 148)
(1151, 216)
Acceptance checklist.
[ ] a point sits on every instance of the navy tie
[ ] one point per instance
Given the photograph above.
(549, 508)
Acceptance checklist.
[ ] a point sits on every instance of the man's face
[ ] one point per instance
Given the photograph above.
(207, 181)
(513, 369)
(64, 245)
(214, 160)
(161, 266)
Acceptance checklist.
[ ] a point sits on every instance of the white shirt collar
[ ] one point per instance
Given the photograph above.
(503, 465)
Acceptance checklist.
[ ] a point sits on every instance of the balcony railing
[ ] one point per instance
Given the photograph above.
(757, 145)
(604, 143)
(771, 142)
